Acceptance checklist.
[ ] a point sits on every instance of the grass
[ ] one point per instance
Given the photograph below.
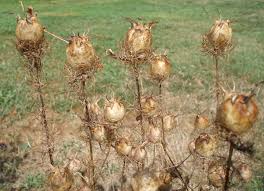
(181, 24)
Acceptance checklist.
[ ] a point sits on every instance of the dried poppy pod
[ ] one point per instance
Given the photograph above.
(154, 134)
(149, 105)
(169, 122)
(60, 179)
(220, 35)
(123, 146)
(245, 172)
(114, 111)
(81, 55)
(201, 122)
(94, 108)
(237, 113)
(160, 67)
(216, 174)
(138, 153)
(29, 29)
(138, 38)
(99, 133)
(151, 180)
(205, 145)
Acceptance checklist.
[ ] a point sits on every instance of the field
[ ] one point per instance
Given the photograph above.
(179, 32)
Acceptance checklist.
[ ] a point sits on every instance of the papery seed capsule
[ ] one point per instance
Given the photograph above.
(205, 145)
(114, 111)
(99, 133)
(169, 122)
(138, 153)
(216, 174)
(123, 146)
(60, 179)
(220, 35)
(237, 113)
(75, 165)
(138, 38)
(201, 122)
(160, 67)
(29, 29)
(149, 105)
(245, 172)
(154, 134)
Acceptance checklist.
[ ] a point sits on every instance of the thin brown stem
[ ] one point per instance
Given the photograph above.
(136, 73)
(228, 167)
(43, 113)
(217, 79)
(123, 173)
(87, 124)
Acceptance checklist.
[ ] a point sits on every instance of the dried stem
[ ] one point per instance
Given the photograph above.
(229, 164)
(43, 115)
(123, 173)
(56, 36)
(87, 124)
(136, 73)
(217, 79)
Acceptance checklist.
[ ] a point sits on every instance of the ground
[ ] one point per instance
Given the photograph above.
(179, 32)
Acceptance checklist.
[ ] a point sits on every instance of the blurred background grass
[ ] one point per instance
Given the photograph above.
(181, 25)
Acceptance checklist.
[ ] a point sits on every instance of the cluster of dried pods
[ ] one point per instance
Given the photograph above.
(236, 114)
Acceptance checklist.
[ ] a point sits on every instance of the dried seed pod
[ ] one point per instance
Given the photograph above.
(237, 113)
(245, 172)
(114, 111)
(123, 146)
(99, 133)
(149, 105)
(216, 174)
(154, 134)
(81, 55)
(205, 145)
(160, 67)
(169, 122)
(138, 153)
(60, 179)
(201, 122)
(191, 146)
(29, 29)
(94, 108)
(75, 165)
(150, 180)
(138, 38)
(220, 35)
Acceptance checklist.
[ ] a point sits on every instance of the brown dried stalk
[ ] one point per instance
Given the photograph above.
(87, 124)
(228, 164)
(217, 80)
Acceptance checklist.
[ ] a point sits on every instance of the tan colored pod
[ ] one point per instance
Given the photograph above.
(205, 145)
(114, 111)
(201, 122)
(160, 67)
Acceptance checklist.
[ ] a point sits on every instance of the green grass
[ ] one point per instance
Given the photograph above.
(181, 24)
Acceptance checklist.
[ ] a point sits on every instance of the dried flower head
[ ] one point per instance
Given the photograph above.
(114, 110)
(216, 173)
(201, 122)
(160, 67)
(154, 134)
(169, 122)
(205, 145)
(219, 39)
(237, 113)
(123, 146)
(149, 105)
(81, 56)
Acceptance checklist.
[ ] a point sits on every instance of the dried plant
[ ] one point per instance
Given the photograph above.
(32, 45)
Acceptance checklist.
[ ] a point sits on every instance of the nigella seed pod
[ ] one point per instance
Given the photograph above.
(216, 174)
(123, 146)
(205, 145)
(149, 105)
(114, 111)
(201, 122)
(237, 113)
(138, 38)
(220, 35)
(160, 67)
(75, 165)
(154, 134)
(94, 108)
(60, 179)
(245, 172)
(138, 153)
(99, 133)
(169, 122)
(29, 29)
